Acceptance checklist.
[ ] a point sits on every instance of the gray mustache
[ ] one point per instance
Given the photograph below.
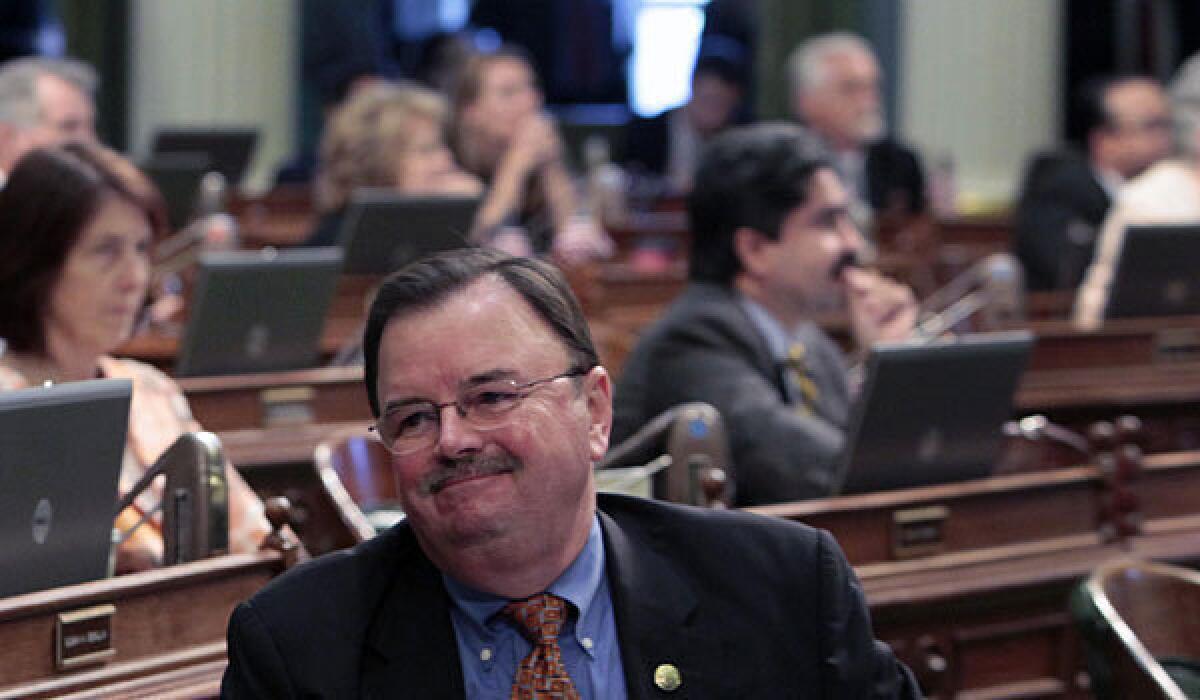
(479, 465)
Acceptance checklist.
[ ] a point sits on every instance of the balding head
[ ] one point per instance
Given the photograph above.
(835, 82)
(44, 102)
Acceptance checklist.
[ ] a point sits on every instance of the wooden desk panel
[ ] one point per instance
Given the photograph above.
(233, 402)
(168, 629)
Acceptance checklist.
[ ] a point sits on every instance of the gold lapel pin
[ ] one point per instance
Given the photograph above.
(667, 677)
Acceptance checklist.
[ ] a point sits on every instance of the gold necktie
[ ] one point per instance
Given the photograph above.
(796, 367)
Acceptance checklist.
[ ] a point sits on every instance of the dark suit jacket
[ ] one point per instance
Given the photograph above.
(1060, 190)
(744, 606)
(895, 180)
(705, 348)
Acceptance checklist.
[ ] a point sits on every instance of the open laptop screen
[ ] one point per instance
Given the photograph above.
(229, 150)
(933, 413)
(1156, 273)
(258, 311)
(384, 231)
(60, 458)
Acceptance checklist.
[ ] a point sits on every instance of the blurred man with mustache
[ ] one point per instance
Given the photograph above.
(773, 243)
(510, 577)
(835, 92)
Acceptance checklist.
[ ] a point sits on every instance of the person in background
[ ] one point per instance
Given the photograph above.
(500, 133)
(669, 144)
(1066, 195)
(835, 91)
(384, 135)
(510, 576)
(79, 223)
(44, 102)
(1168, 192)
(773, 243)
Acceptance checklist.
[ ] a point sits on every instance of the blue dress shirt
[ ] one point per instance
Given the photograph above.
(491, 648)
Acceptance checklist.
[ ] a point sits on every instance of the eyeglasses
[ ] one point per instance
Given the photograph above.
(411, 427)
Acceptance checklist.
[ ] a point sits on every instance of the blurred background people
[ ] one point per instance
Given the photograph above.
(44, 102)
(835, 91)
(1166, 193)
(384, 135)
(79, 223)
(1066, 194)
(501, 134)
(669, 144)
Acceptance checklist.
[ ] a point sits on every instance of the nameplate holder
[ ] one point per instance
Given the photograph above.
(287, 405)
(919, 532)
(83, 637)
(1177, 345)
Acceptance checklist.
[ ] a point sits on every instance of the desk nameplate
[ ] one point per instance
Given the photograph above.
(83, 637)
(919, 532)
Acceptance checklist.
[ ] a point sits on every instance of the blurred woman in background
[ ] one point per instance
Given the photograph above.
(501, 134)
(384, 135)
(79, 222)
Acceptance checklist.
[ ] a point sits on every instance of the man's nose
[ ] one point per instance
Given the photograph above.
(456, 435)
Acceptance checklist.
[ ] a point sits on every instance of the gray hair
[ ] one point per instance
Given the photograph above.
(18, 85)
(1185, 107)
(806, 64)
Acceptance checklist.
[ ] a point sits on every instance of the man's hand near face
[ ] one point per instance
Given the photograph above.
(881, 309)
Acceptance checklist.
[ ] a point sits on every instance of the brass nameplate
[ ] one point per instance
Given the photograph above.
(83, 637)
(1177, 345)
(287, 405)
(918, 532)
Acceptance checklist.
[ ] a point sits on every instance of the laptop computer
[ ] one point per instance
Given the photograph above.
(60, 458)
(177, 177)
(229, 149)
(258, 311)
(384, 231)
(1156, 273)
(930, 414)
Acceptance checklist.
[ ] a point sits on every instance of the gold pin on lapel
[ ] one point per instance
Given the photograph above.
(667, 677)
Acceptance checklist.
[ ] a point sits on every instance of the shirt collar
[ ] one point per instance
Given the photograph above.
(578, 585)
(777, 337)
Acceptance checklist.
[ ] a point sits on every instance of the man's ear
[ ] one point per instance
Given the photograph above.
(598, 387)
(751, 248)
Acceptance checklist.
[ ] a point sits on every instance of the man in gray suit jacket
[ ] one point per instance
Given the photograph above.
(487, 390)
(772, 243)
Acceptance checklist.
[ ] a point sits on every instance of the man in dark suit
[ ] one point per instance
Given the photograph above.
(835, 81)
(772, 244)
(1066, 195)
(486, 385)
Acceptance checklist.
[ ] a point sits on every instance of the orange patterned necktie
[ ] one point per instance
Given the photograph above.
(541, 673)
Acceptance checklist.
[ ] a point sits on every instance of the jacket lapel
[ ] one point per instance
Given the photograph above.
(411, 649)
(659, 621)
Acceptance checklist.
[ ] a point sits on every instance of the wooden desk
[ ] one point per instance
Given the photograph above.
(1118, 343)
(985, 615)
(323, 395)
(167, 630)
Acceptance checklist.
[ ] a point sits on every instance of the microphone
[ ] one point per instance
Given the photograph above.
(994, 287)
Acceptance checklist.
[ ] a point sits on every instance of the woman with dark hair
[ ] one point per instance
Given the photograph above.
(501, 134)
(79, 222)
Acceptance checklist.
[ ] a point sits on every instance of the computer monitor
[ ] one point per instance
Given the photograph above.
(229, 150)
(177, 177)
(932, 413)
(384, 231)
(60, 460)
(258, 311)
(1156, 273)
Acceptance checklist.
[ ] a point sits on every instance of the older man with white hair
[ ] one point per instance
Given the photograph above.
(44, 102)
(835, 81)
(1167, 193)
